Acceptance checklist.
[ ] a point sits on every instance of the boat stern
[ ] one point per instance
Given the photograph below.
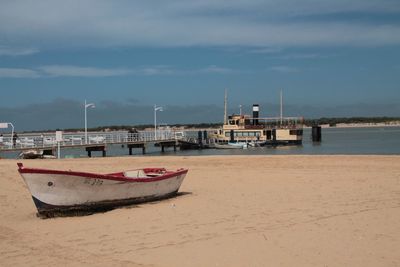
(20, 165)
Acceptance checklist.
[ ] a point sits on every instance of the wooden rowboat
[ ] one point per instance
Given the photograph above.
(55, 192)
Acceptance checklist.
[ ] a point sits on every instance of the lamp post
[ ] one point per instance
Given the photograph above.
(90, 105)
(155, 119)
(281, 107)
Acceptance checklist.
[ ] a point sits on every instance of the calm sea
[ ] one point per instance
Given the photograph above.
(347, 141)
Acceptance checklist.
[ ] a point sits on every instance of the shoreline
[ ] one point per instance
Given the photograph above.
(216, 156)
(360, 125)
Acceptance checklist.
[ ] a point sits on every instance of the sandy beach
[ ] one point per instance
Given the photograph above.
(237, 211)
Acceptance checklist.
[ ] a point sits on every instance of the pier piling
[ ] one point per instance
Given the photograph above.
(139, 145)
(316, 133)
(89, 150)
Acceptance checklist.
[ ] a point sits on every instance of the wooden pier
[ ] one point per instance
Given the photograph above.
(95, 142)
(99, 141)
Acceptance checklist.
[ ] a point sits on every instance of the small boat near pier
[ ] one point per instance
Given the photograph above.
(230, 145)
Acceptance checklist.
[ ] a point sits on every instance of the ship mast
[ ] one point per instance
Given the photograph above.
(281, 107)
(225, 105)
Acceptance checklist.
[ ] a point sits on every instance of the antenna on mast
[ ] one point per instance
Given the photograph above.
(225, 105)
(281, 107)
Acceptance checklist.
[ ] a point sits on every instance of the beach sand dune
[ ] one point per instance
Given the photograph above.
(235, 211)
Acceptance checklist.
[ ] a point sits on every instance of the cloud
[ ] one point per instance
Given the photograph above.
(18, 73)
(158, 23)
(75, 71)
(283, 69)
(265, 50)
(302, 56)
(132, 101)
(156, 70)
(218, 70)
(11, 51)
(90, 72)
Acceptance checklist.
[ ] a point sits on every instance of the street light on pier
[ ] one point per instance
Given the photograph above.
(87, 105)
(155, 119)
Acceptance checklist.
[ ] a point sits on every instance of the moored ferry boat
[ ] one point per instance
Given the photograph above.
(261, 131)
(258, 131)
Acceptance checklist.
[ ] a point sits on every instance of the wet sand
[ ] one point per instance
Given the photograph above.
(238, 211)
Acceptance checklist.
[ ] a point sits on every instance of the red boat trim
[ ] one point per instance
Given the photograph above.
(167, 175)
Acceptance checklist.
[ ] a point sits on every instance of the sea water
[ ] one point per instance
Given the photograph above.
(335, 141)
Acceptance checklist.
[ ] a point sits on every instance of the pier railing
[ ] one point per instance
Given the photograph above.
(38, 141)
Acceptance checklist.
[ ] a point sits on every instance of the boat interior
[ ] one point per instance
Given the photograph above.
(143, 173)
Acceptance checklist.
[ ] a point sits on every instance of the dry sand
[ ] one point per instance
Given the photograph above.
(240, 211)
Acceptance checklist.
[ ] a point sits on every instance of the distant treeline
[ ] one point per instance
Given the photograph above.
(149, 126)
(308, 122)
(334, 121)
(140, 127)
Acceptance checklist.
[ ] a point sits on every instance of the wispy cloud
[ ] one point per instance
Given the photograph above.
(302, 56)
(75, 71)
(265, 50)
(18, 73)
(12, 51)
(54, 71)
(216, 69)
(305, 56)
(155, 70)
(283, 69)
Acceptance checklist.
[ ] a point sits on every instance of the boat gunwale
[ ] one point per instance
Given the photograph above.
(112, 176)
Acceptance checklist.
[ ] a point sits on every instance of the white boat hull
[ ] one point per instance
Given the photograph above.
(62, 191)
(240, 145)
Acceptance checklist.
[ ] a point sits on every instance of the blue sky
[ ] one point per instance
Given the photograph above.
(331, 58)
